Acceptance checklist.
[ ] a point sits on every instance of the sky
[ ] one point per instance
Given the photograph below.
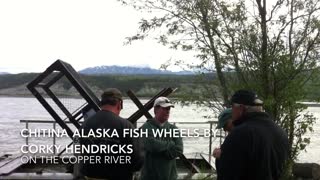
(84, 33)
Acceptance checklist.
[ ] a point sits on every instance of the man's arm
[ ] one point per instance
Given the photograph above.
(137, 156)
(177, 149)
(155, 145)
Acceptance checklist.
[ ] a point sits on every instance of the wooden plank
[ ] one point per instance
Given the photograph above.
(209, 159)
(54, 176)
(190, 165)
(7, 158)
(10, 165)
(197, 176)
(5, 161)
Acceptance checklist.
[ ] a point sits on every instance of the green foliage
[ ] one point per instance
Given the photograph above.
(273, 50)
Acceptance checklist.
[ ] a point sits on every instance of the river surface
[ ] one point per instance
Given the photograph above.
(15, 109)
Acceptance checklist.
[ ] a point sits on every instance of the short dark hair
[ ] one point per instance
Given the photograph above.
(109, 101)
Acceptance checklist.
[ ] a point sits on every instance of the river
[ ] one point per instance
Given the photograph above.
(14, 109)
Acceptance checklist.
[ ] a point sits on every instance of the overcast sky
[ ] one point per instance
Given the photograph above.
(84, 33)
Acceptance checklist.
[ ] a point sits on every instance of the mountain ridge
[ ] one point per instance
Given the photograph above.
(115, 69)
(4, 73)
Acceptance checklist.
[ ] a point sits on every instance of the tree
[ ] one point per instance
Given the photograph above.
(273, 49)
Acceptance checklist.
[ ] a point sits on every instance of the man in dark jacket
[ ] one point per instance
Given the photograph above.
(111, 146)
(256, 148)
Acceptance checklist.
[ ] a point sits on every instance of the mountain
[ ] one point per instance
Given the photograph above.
(1, 73)
(128, 70)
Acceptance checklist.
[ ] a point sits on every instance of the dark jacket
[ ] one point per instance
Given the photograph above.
(116, 171)
(160, 153)
(256, 149)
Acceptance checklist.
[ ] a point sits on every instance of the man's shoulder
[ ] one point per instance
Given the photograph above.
(107, 117)
(92, 120)
(258, 117)
(147, 124)
(171, 126)
(240, 131)
(125, 122)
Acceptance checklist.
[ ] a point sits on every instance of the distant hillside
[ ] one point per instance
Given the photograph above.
(15, 80)
(128, 70)
(142, 85)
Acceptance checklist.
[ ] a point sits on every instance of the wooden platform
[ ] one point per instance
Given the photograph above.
(9, 164)
(66, 176)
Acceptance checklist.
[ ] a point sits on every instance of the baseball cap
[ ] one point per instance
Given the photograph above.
(163, 102)
(110, 93)
(246, 97)
(224, 117)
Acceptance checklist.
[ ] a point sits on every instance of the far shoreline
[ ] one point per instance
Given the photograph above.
(307, 103)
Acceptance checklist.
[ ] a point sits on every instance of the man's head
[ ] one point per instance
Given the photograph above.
(162, 107)
(244, 101)
(225, 120)
(111, 99)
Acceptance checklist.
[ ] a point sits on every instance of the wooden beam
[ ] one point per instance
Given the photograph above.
(136, 101)
(138, 114)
